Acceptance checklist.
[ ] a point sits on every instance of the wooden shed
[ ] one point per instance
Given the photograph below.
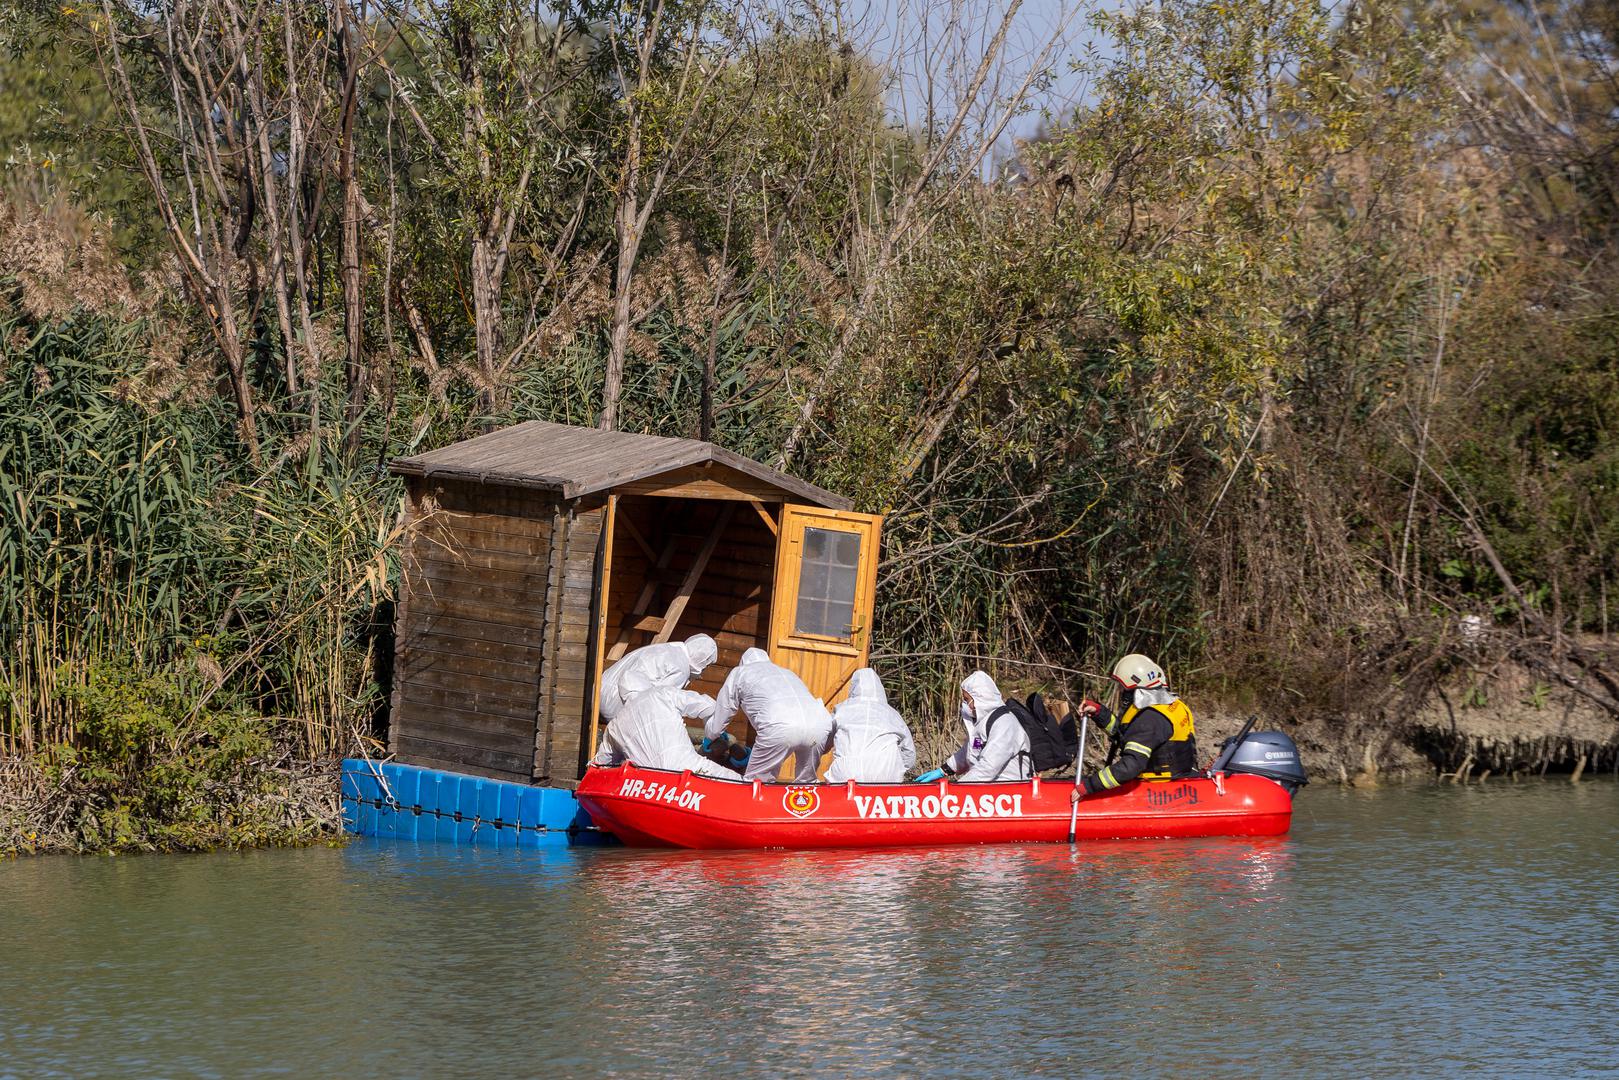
(537, 555)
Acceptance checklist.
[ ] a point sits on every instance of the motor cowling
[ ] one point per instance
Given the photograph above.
(1270, 754)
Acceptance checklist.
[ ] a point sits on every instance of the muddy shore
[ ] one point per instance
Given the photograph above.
(288, 803)
(1510, 725)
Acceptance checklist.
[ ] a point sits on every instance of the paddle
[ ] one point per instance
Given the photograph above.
(1079, 771)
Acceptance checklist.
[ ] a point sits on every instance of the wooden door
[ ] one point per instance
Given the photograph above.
(824, 593)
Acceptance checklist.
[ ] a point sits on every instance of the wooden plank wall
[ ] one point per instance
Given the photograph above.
(471, 640)
(731, 601)
(562, 717)
(494, 619)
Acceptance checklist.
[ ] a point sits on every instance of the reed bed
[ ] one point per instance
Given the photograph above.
(133, 535)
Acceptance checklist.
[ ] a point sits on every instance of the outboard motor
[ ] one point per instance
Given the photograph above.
(1270, 754)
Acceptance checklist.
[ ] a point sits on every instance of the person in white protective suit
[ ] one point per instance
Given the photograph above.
(999, 753)
(670, 665)
(870, 742)
(786, 717)
(649, 731)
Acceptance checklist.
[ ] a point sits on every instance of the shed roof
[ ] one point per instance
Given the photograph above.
(576, 461)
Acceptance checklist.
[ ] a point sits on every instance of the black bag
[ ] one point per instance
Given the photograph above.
(1051, 744)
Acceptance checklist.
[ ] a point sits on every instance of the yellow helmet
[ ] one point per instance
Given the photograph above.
(1138, 672)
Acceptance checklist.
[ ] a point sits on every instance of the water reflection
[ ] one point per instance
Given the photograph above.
(1413, 931)
(813, 946)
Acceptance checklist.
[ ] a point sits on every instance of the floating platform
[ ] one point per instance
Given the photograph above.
(408, 802)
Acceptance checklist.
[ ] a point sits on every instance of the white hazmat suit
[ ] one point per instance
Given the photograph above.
(1002, 753)
(870, 742)
(670, 666)
(649, 731)
(786, 717)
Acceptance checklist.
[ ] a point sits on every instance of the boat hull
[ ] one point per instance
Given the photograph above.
(657, 808)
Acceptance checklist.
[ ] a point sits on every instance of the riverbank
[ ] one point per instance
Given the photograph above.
(46, 808)
(1506, 723)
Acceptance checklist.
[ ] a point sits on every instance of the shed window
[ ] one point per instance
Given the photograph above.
(826, 584)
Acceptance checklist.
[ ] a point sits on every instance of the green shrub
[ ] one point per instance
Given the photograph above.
(155, 768)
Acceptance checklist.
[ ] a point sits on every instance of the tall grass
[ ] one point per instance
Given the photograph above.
(132, 534)
(310, 604)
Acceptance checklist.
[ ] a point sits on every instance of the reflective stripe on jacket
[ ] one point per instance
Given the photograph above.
(1157, 743)
(1177, 756)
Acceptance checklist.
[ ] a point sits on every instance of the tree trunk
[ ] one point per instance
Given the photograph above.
(485, 289)
(356, 374)
(210, 285)
(629, 247)
(485, 321)
(230, 343)
(706, 421)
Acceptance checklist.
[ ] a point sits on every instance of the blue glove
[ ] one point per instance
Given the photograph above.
(743, 759)
(722, 738)
(933, 774)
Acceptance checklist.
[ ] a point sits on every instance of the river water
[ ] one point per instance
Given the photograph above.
(1392, 933)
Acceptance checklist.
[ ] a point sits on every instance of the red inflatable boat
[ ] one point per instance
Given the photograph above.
(654, 808)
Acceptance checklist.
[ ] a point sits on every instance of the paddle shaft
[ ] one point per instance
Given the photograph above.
(1079, 774)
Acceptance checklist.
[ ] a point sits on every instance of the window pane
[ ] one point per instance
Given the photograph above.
(826, 583)
(815, 544)
(814, 580)
(840, 617)
(811, 617)
(848, 549)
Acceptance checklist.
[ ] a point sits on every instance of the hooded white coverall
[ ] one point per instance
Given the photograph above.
(649, 731)
(670, 666)
(1003, 754)
(870, 742)
(786, 717)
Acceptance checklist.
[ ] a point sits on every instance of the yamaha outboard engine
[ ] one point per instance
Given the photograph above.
(1270, 754)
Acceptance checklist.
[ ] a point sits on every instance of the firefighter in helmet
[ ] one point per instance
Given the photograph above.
(1154, 730)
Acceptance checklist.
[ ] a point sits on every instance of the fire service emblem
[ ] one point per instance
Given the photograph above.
(801, 801)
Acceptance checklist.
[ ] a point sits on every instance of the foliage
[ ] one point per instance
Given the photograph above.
(1288, 347)
(132, 532)
(151, 770)
(56, 118)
